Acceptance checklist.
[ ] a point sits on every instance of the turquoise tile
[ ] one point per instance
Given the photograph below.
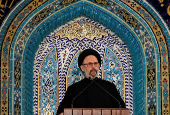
(165, 31)
(9, 20)
(12, 16)
(160, 22)
(12, 52)
(168, 40)
(141, 2)
(7, 24)
(4, 28)
(162, 25)
(11, 97)
(3, 32)
(154, 14)
(26, 2)
(22, 5)
(145, 5)
(168, 37)
(149, 9)
(11, 65)
(157, 18)
(18, 9)
(1, 36)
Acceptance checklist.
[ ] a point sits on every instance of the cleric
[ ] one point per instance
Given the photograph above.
(91, 92)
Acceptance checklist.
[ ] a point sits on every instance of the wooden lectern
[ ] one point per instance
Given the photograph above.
(96, 111)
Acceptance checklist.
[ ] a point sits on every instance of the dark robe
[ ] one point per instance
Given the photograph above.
(88, 94)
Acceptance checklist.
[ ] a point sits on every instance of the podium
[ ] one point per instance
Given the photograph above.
(96, 111)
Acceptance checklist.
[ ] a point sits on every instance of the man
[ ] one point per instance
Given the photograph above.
(91, 92)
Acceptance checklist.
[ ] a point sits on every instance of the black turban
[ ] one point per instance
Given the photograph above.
(87, 52)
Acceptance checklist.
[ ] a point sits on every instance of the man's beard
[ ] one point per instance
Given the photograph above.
(90, 75)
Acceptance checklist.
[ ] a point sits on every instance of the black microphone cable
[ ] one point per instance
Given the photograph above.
(83, 91)
(109, 94)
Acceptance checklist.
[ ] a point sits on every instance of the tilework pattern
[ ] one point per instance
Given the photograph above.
(112, 49)
(135, 22)
(47, 73)
(164, 57)
(48, 84)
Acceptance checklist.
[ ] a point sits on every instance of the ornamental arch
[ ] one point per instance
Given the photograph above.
(128, 29)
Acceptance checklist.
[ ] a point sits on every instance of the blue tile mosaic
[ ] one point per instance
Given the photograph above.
(98, 18)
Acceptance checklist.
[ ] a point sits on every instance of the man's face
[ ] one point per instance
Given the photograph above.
(90, 66)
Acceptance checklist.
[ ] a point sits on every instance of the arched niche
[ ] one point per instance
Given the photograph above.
(46, 29)
(99, 15)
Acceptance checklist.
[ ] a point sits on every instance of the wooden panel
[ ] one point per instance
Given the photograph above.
(114, 112)
(67, 111)
(97, 112)
(125, 112)
(87, 112)
(106, 112)
(77, 112)
(118, 111)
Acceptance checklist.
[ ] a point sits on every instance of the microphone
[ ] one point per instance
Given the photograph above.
(83, 90)
(109, 94)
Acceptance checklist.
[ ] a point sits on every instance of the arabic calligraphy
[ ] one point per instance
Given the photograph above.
(5, 7)
(162, 5)
(161, 1)
(5, 4)
(168, 10)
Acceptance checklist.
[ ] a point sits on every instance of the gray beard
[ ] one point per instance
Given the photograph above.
(93, 76)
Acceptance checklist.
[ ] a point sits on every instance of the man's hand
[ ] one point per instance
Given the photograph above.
(61, 114)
